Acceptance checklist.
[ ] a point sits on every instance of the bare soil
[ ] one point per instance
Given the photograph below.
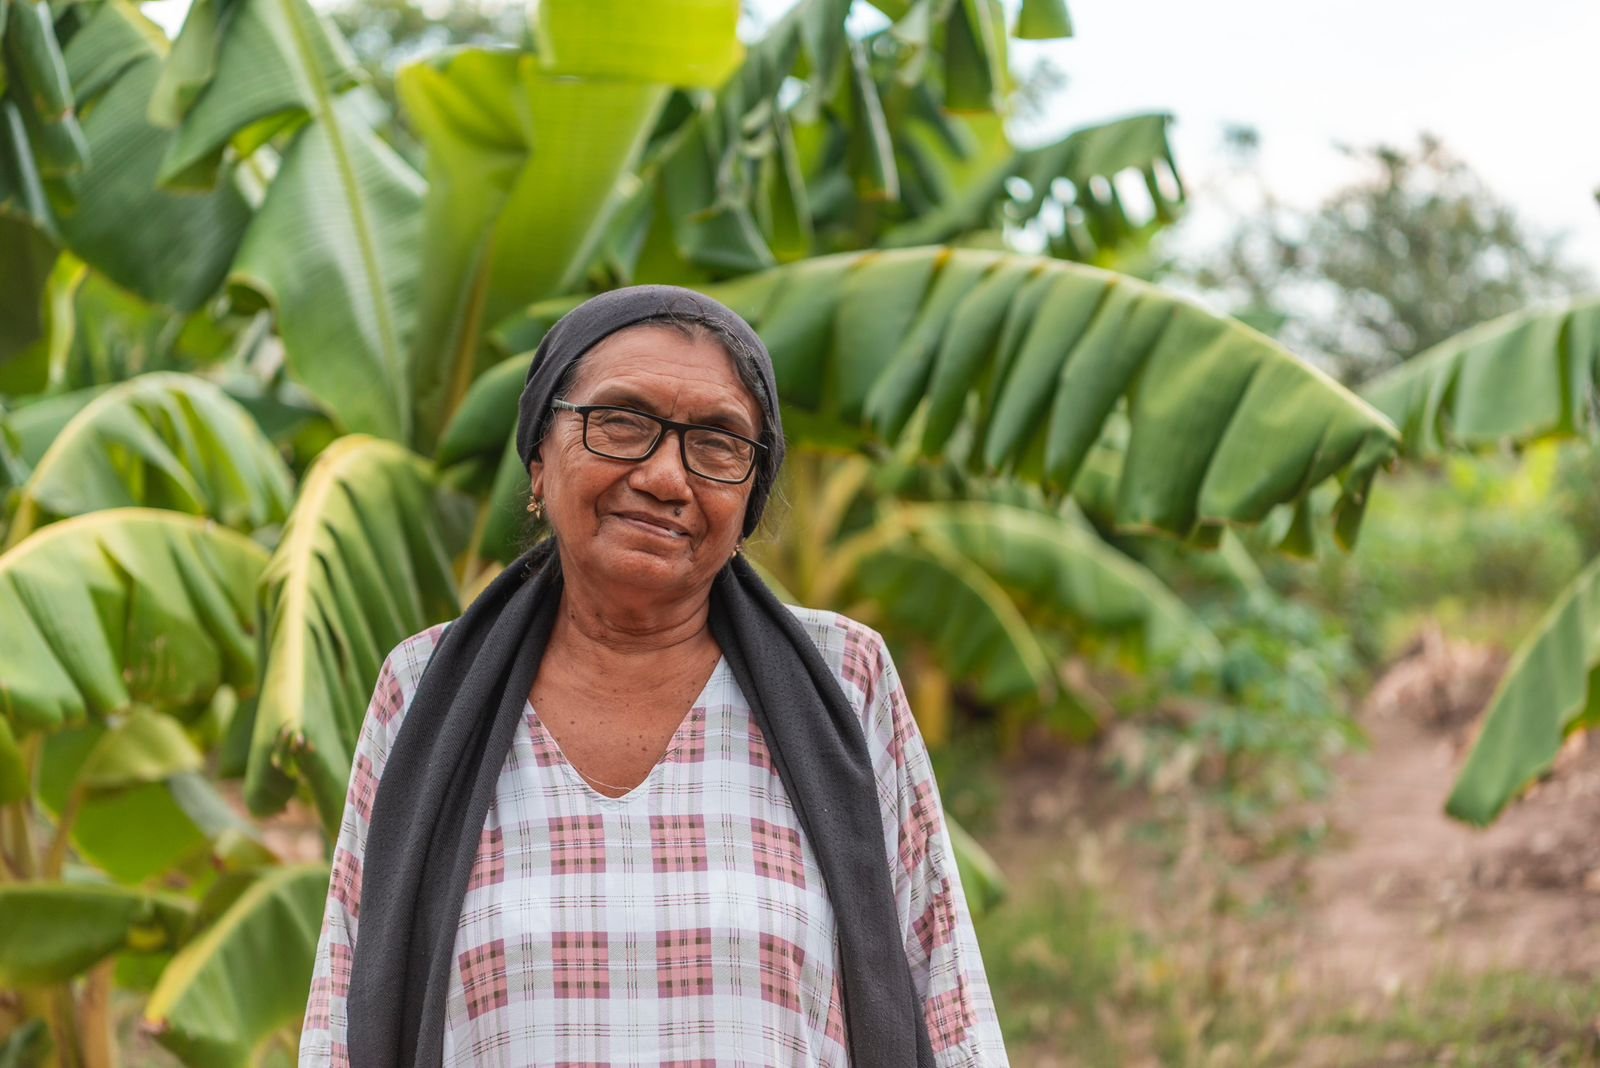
(1394, 894)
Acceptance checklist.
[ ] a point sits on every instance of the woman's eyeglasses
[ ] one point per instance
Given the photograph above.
(628, 434)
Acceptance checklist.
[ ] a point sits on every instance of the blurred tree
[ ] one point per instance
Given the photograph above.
(387, 33)
(1413, 252)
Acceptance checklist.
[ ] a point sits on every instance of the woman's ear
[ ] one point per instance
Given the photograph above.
(536, 477)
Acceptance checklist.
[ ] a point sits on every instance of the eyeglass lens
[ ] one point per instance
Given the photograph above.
(624, 435)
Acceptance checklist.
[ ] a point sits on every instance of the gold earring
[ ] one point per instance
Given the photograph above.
(536, 506)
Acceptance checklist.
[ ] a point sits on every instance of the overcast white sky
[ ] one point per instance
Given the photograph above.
(1511, 87)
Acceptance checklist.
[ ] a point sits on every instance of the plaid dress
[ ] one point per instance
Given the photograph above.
(685, 923)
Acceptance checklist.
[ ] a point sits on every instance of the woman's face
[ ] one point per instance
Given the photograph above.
(647, 525)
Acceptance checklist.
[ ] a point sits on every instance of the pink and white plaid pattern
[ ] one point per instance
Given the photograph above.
(685, 925)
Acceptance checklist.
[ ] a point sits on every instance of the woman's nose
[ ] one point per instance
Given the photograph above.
(662, 474)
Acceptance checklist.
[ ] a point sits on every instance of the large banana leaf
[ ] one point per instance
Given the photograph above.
(334, 250)
(245, 977)
(1015, 364)
(241, 71)
(365, 561)
(1524, 376)
(981, 581)
(123, 606)
(525, 153)
(54, 931)
(162, 440)
(1550, 688)
(1058, 572)
(334, 247)
(143, 814)
(40, 129)
(170, 249)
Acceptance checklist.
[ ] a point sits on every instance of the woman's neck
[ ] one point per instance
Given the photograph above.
(588, 623)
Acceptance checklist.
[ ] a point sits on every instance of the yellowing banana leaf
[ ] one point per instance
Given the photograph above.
(1524, 376)
(364, 561)
(122, 606)
(1550, 688)
(245, 977)
(55, 931)
(525, 155)
(161, 440)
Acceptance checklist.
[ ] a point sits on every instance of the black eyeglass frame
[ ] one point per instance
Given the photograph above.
(666, 425)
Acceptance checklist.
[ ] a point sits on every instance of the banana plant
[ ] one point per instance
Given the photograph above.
(173, 594)
(990, 593)
(1527, 376)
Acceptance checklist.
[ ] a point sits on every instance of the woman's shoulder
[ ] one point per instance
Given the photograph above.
(402, 670)
(854, 652)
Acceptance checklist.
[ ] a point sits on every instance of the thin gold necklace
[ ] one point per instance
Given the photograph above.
(600, 782)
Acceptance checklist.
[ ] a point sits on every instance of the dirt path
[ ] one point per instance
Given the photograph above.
(1409, 892)
(1396, 894)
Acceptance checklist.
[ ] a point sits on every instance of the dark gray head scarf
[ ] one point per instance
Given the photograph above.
(440, 776)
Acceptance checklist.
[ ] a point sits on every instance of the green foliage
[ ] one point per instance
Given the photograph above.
(1260, 732)
(58, 930)
(1578, 495)
(1494, 535)
(215, 1004)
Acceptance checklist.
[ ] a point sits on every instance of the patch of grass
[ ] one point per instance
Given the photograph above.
(1076, 984)
(1502, 1019)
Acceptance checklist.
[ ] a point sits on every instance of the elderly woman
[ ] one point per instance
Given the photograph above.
(629, 809)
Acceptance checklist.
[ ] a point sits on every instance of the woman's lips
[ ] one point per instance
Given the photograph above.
(656, 528)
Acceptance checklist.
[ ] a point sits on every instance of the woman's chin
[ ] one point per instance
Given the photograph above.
(647, 563)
